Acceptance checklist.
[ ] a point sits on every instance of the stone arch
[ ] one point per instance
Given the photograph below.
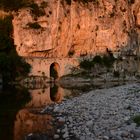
(55, 70)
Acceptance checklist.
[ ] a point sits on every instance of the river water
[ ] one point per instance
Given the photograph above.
(21, 110)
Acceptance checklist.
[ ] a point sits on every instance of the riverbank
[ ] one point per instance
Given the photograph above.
(103, 114)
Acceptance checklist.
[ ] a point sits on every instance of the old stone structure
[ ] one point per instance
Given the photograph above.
(60, 32)
(42, 66)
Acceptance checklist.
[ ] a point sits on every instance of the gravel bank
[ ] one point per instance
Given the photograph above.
(104, 114)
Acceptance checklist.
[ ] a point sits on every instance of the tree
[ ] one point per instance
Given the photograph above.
(11, 65)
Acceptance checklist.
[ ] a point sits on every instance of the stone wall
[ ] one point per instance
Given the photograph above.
(41, 66)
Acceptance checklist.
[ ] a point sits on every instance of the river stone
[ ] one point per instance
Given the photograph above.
(136, 133)
(66, 135)
(56, 136)
(89, 123)
(61, 120)
(58, 130)
(105, 138)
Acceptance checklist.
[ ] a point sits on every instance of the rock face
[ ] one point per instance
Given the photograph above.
(61, 29)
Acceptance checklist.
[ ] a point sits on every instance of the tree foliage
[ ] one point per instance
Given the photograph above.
(11, 65)
(106, 60)
(13, 4)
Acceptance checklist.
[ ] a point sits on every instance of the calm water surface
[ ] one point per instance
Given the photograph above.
(20, 110)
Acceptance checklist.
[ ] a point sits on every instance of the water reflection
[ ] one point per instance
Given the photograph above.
(29, 119)
(56, 94)
(42, 97)
(28, 123)
(11, 101)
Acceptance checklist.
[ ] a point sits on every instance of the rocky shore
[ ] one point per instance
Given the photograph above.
(103, 114)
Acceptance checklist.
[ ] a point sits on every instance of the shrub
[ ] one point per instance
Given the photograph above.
(136, 119)
(98, 60)
(106, 60)
(112, 14)
(68, 2)
(87, 1)
(13, 4)
(34, 25)
(44, 4)
(71, 53)
(81, 1)
(36, 10)
(86, 64)
(11, 65)
(116, 74)
(131, 1)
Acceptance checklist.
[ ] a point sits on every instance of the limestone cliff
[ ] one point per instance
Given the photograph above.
(62, 29)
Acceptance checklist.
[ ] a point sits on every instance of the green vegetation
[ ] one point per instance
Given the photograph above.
(136, 119)
(82, 1)
(36, 10)
(112, 14)
(68, 2)
(86, 1)
(98, 60)
(13, 4)
(106, 60)
(71, 53)
(131, 1)
(116, 74)
(34, 25)
(11, 65)
(44, 4)
(86, 64)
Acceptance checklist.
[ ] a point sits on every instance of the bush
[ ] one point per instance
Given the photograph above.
(34, 25)
(106, 60)
(87, 1)
(11, 65)
(116, 74)
(81, 1)
(68, 2)
(97, 60)
(71, 53)
(13, 4)
(86, 64)
(44, 4)
(136, 119)
(36, 10)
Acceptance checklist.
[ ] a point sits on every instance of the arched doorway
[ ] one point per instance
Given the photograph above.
(54, 70)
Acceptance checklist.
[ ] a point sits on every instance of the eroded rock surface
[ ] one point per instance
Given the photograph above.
(77, 29)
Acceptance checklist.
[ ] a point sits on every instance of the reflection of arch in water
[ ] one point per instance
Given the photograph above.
(55, 94)
(55, 70)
